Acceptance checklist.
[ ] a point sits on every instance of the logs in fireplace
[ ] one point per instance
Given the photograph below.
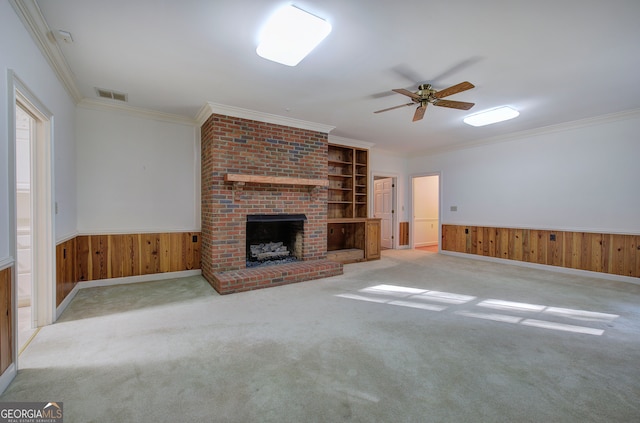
(269, 250)
(274, 238)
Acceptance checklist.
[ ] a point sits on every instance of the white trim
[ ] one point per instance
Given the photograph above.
(6, 263)
(557, 269)
(67, 300)
(104, 105)
(32, 19)
(123, 232)
(43, 204)
(7, 377)
(137, 279)
(350, 142)
(551, 129)
(210, 108)
(66, 238)
(122, 281)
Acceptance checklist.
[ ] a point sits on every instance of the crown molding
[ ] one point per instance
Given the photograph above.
(561, 127)
(32, 19)
(210, 108)
(135, 111)
(350, 142)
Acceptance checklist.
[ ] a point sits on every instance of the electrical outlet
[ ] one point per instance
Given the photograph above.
(552, 237)
(194, 238)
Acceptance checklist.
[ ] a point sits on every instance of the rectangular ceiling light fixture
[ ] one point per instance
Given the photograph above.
(290, 35)
(488, 117)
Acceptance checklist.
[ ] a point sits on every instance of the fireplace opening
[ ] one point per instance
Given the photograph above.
(274, 238)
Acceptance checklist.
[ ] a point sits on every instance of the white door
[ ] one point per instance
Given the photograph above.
(383, 209)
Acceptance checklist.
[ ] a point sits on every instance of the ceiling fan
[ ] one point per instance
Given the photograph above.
(426, 94)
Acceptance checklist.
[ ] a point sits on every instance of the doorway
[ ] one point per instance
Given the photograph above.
(35, 165)
(426, 211)
(27, 316)
(383, 208)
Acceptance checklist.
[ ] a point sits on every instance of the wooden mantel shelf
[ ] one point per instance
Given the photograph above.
(257, 179)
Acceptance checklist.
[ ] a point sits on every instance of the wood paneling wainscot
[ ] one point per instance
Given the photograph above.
(66, 269)
(6, 339)
(617, 254)
(122, 255)
(404, 233)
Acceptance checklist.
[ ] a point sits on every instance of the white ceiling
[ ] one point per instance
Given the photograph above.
(555, 61)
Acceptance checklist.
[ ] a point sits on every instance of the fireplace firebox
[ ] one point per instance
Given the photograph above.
(274, 238)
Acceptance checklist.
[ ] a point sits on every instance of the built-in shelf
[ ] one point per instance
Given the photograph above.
(351, 235)
(347, 169)
(281, 180)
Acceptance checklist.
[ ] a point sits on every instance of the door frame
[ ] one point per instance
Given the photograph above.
(413, 202)
(394, 202)
(43, 211)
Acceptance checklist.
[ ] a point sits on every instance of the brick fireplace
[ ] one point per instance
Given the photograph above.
(256, 168)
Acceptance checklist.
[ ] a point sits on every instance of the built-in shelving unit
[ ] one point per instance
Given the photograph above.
(348, 170)
(351, 235)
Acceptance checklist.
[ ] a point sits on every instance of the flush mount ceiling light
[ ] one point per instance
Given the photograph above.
(290, 35)
(488, 117)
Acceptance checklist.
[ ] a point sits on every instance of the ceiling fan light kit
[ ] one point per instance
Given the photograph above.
(499, 114)
(426, 95)
(290, 35)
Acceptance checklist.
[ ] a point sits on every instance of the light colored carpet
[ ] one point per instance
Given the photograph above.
(414, 337)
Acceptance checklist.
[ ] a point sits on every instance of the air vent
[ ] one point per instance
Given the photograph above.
(110, 94)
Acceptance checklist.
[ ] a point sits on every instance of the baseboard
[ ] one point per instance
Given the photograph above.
(8, 376)
(122, 281)
(67, 300)
(136, 279)
(557, 269)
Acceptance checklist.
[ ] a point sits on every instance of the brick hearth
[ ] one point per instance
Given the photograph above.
(233, 145)
(268, 276)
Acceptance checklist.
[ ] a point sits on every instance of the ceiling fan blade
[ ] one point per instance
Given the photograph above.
(395, 107)
(454, 89)
(457, 68)
(407, 93)
(419, 114)
(462, 105)
(407, 73)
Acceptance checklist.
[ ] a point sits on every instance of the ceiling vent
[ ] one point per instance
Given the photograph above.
(111, 95)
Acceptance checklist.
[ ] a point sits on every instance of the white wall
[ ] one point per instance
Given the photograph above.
(19, 53)
(584, 177)
(136, 174)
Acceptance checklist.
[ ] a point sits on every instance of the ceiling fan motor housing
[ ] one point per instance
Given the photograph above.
(426, 94)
